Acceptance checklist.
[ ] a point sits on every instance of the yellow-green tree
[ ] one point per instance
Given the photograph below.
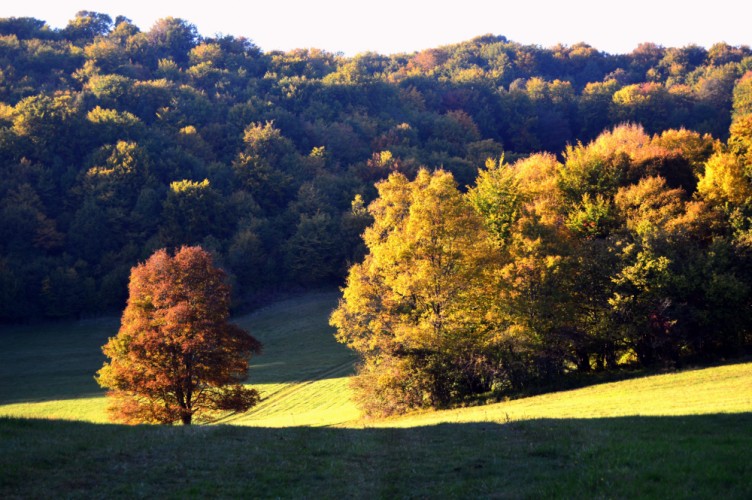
(742, 101)
(418, 308)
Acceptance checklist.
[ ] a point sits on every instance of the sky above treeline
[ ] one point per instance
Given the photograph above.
(394, 26)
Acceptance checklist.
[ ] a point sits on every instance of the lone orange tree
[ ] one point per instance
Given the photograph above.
(175, 356)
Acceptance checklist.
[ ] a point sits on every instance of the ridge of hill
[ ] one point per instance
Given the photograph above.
(118, 140)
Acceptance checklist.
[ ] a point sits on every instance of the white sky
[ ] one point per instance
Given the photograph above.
(390, 26)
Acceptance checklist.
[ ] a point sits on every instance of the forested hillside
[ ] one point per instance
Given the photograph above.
(117, 140)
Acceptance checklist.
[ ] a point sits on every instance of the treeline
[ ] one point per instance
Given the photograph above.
(115, 142)
(633, 250)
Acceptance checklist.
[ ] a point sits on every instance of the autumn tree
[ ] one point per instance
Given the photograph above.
(742, 102)
(419, 309)
(176, 357)
(536, 282)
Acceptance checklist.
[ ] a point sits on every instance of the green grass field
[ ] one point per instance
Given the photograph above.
(683, 435)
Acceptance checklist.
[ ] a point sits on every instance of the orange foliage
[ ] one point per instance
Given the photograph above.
(176, 356)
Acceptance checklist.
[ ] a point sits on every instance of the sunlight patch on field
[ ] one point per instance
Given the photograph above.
(317, 403)
(724, 389)
(85, 409)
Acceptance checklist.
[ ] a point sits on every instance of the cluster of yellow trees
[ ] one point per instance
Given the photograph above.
(634, 249)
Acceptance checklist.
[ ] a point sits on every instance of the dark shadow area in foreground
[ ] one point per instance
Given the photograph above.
(688, 456)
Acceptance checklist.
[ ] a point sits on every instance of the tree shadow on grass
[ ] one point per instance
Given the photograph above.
(687, 456)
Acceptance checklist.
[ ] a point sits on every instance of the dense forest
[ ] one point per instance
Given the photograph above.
(115, 142)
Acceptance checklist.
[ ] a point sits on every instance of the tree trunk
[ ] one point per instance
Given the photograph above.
(186, 418)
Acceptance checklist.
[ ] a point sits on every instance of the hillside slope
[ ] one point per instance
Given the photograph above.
(47, 372)
(722, 389)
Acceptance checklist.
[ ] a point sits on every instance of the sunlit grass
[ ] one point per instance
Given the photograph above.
(723, 389)
(83, 409)
(318, 403)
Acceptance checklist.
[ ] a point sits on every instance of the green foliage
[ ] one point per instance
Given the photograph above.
(312, 252)
(496, 197)
(87, 25)
(591, 218)
(192, 211)
(99, 118)
(172, 38)
(643, 103)
(743, 96)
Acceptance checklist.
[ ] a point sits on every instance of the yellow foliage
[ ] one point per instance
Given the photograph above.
(7, 113)
(100, 115)
(187, 186)
(724, 180)
(421, 287)
(189, 130)
(649, 201)
(205, 52)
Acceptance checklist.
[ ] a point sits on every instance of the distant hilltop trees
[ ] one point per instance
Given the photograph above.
(116, 142)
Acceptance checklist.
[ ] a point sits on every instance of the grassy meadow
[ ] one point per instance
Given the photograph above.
(684, 434)
(47, 371)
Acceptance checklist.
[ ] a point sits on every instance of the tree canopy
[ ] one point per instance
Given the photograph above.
(619, 255)
(108, 131)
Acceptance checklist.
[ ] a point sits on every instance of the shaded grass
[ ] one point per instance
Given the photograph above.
(299, 344)
(677, 457)
(52, 361)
